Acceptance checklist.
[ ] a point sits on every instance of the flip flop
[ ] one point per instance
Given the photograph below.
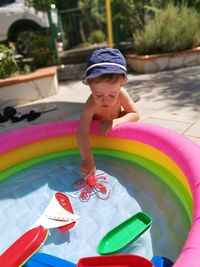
(18, 117)
(15, 116)
(12, 114)
(32, 115)
(3, 118)
(7, 113)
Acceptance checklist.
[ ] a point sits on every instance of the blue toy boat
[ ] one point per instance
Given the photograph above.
(45, 260)
(160, 261)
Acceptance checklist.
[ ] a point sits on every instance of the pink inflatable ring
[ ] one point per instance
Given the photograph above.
(180, 156)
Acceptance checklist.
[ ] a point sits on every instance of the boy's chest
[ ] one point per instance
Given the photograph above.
(110, 113)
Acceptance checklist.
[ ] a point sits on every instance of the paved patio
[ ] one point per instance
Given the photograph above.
(170, 99)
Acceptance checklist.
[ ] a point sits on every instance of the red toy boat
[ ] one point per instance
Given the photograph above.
(65, 203)
(24, 247)
(121, 260)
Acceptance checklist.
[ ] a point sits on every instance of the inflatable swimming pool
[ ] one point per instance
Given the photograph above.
(173, 158)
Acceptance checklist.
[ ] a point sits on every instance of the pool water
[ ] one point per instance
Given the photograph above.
(25, 195)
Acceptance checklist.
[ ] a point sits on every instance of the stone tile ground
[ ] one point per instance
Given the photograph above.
(170, 99)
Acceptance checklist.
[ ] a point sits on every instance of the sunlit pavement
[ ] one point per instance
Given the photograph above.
(169, 99)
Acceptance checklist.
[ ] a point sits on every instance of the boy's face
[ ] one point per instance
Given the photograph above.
(106, 94)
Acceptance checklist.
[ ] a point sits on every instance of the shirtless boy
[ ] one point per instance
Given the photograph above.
(108, 102)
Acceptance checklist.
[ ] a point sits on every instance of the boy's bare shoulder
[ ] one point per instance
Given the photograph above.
(87, 113)
(123, 93)
(90, 101)
(90, 104)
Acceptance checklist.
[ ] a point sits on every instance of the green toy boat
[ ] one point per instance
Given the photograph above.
(124, 234)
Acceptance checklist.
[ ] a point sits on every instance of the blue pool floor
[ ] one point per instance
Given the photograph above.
(25, 195)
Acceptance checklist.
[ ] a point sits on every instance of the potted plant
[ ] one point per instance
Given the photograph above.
(22, 81)
(8, 64)
(170, 39)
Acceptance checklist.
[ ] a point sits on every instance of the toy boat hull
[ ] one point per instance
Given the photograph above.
(123, 260)
(45, 260)
(160, 261)
(24, 247)
(124, 234)
(65, 203)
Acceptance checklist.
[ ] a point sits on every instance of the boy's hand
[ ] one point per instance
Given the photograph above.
(87, 167)
(105, 126)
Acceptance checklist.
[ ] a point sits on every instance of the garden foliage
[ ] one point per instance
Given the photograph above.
(8, 63)
(41, 50)
(174, 28)
(96, 37)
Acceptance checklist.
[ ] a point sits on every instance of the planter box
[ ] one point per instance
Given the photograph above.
(71, 72)
(164, 61)
(22, 89)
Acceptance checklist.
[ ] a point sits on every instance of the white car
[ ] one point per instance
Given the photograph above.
(17, 22)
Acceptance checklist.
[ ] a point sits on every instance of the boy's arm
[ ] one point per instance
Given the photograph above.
(83, 139)
(131, 113)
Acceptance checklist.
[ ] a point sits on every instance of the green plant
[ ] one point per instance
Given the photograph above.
(41, 49)
(43, 5)
(26, 69)
(96, 37)
(174, 28)
(8, 63)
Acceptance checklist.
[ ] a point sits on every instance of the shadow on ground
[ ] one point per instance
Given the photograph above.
(181, 88)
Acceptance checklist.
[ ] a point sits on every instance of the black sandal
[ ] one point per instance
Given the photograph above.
(12, 114)
(15, 116)
(3, 118)
(7, 113)
(32, 115)
(18, 117)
